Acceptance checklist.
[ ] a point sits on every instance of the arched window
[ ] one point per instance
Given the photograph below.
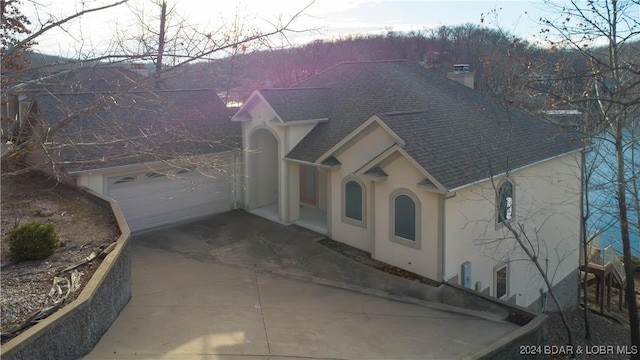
(405, 215)
(405, 218)
(505, 202)
(353, 200)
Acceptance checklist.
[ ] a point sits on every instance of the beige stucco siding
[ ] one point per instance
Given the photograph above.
(423, 261)
(352, 159)
(274, 180)
(547, 203)
(255, 133)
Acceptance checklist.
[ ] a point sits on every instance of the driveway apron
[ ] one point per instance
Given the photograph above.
(234, 286)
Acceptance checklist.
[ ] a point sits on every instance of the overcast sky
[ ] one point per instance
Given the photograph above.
(332, 18)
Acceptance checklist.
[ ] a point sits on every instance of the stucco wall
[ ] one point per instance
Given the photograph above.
(352, 159)
(423, 261)
(264, 119)
(547, 204)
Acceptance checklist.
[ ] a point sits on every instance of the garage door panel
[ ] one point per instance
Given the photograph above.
(150, 199)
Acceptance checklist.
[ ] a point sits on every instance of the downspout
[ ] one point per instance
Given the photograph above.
(372, 219)
(442, 233)
(287, 179)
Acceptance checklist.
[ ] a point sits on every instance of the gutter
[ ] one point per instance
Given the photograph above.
(308, 163)
(515, 169)
(136, 165)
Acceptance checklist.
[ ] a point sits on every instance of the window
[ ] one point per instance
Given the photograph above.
(125, 179)
(505, 202)
(353, 202)
(501, 281)
(154, 174)
(405, 218)
(405, 215)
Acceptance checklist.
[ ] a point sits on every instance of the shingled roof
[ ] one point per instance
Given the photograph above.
(137, 127)
(299, 104)
(455, 133)
(82, 80)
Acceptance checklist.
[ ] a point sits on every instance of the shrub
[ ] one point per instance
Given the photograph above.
(33, 241)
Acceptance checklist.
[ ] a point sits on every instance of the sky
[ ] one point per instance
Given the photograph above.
(329, 18)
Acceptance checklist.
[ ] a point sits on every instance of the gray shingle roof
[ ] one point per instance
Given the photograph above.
(138, 127)
(298, 104)
(87, 79)
(455, 133)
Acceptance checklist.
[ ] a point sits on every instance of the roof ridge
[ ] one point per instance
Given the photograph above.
(352, 62)
(296, 89)
(42, 92)
(403, 112)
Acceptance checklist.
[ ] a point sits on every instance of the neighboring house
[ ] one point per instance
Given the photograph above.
(420, 171)
(77, 80)
(164, 155)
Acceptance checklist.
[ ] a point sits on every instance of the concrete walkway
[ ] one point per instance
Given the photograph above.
(215, 290)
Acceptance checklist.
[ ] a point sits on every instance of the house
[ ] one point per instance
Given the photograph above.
(389, 157)
(164, 155)
(420, 171)
(16, 100)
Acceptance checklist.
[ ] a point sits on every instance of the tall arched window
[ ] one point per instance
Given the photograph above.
(405, 218)
(505, 202)
(353, 202)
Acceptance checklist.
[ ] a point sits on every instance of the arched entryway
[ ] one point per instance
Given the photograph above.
(263, 171)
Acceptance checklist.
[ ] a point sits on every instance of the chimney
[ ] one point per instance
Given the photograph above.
(462, 74)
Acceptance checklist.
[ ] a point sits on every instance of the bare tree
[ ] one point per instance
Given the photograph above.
(170, 41)
(610, 81)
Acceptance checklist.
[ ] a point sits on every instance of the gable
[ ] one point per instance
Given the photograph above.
(363, 147)
(286, 106)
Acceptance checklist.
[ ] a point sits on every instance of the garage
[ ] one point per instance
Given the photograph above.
(154, 198)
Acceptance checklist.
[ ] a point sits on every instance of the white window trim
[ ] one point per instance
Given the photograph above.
(417, 243)
(495, 279)
(348, 220)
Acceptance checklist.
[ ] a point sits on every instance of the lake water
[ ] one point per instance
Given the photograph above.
(604, 208)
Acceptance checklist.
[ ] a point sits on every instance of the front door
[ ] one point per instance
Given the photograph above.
(308, 185)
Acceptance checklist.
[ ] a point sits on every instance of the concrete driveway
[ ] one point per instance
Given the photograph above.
(235, 286)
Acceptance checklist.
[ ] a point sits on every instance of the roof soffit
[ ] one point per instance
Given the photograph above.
(392, 154)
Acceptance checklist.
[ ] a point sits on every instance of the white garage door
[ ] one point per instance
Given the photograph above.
(150, 199)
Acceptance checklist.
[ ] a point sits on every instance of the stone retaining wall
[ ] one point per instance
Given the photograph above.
(75, 329)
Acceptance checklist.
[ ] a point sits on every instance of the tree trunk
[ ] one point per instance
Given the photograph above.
(626, 241)
(163, 20)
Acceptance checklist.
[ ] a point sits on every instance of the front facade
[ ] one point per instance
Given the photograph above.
(377, 187)
(388, 157)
